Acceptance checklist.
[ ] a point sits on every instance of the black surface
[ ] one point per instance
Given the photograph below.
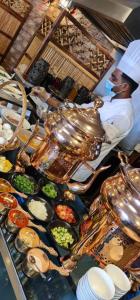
(6, 290)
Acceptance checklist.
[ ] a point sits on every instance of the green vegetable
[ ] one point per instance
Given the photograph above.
(49, 190)
(24, 184)
(62, 236)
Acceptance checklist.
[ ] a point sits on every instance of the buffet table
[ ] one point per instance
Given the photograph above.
(55, 287)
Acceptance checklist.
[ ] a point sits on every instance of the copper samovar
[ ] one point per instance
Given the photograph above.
(73, 137)
(111, 234)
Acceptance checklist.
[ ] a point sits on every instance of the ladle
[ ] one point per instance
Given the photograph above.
(47, 263)
(23, 245)
(6, 187)
(39, 227)
(49, 249)
(32, 261)
(6, 197)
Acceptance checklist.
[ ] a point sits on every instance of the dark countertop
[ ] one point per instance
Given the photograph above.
(55, 287)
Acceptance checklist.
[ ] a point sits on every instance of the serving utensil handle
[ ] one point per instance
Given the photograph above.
(25, 212)
(49, 249)
(39, 227)
(61, 270)
(18, 193)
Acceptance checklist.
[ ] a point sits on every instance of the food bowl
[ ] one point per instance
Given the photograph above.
(22, 185)
(13, 118)
(44, 182)
(5, 165)
(35, 208)
(65, 212)
(70, 230)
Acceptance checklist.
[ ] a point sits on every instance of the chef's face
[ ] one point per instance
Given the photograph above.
(117, 79)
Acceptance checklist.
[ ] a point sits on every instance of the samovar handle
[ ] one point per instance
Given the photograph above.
(123, 158)
(123, 167)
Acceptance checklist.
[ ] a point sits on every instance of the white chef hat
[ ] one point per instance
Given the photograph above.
(130, 62)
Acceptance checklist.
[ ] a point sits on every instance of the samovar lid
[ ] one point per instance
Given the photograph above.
(87, 120)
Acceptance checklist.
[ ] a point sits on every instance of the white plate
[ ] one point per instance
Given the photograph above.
(100, 283)
(119, 278)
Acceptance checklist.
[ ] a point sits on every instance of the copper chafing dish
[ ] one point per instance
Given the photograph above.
(73, 137)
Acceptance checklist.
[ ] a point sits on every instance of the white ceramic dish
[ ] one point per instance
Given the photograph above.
(120, 280)
(100, 283)
(9, 115)
(95, 285)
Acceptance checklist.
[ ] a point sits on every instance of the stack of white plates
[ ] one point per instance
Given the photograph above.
(120, 280)
(96, 284)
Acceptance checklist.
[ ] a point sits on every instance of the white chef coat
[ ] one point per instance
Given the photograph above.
(133, 138)
(117, 119)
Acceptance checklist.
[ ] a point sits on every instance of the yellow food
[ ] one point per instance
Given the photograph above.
(5, 165)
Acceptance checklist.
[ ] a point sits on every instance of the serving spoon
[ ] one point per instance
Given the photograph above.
(39, 227)
(33, 261)
(6, 187)
(13, 202)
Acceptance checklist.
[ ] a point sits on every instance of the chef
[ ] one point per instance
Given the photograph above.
(117, 112)
(132, 140)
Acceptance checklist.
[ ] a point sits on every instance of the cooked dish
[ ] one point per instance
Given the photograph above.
(29, 237)
(62, 236)
(65, 213)
(38, 209)
(24, 184)
(49, 190)
(18, 218)
(8, 200)
(5, 165)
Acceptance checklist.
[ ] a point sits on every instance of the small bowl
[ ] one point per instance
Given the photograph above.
(58, 223)
(43, 182)
(48, 209)
(12, 166)
(65, 203)
(30, 178)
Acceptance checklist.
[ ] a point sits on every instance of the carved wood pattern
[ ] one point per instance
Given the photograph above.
(21, 7)
(74, 40)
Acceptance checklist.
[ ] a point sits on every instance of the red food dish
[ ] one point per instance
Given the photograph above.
(8, 200)
(65, 213)
(18, 218)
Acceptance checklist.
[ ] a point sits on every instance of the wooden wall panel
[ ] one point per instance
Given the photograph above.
(31, 51)
(13, 14)
(4, 43)
(8, 23)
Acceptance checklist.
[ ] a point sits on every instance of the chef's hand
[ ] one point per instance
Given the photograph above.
(40, 92)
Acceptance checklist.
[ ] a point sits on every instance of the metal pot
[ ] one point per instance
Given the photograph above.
(122, 198)
(73, 136)
(114, 232)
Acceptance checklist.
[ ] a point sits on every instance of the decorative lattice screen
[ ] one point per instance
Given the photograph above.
(79, 44)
